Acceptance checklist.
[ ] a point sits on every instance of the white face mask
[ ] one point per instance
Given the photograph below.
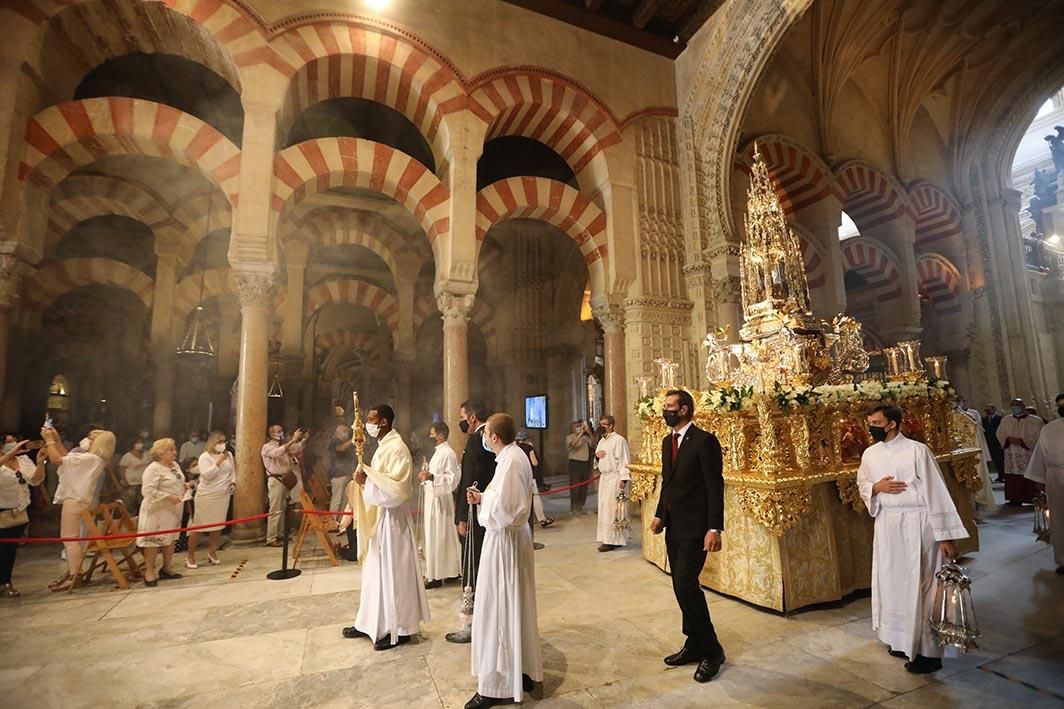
(85, 444)
(219, 448)
(373, 429)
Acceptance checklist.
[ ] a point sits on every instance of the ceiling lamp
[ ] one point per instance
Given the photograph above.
(196, 346)
(275, 392)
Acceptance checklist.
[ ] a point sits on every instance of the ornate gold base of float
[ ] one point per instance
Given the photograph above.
(825, 555)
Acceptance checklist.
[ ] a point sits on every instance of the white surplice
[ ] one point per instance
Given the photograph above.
(1025, 428)
(505, 623)
(905, 551)
(613, 469)
(1047, 467)
(392, 599)
(971, 429)
(442, 556)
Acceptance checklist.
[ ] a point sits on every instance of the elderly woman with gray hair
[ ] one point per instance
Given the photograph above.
(163, 489)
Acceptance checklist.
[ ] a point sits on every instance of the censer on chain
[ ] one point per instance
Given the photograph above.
(469, 582)
(621, 518)
(1041, 517)
(952, 619)
(419, 529)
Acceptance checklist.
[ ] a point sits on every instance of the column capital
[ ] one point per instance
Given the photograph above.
(254, 288)
(455, 308)
(610, 315)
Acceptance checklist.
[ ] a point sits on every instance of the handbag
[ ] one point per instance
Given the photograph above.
(13, 518)
(289, 479)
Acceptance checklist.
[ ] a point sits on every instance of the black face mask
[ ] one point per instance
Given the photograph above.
(879, 433)
(464, 425)
(671, 417)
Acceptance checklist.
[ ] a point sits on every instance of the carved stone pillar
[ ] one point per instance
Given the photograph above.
(11, 272)
(162, 338)
(455, 310)
(611, 317)
(255, 291)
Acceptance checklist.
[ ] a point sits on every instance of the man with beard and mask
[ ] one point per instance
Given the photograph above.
(478, 466)
(439, 479)
(392, 603)
(1017, 434)
(1046, 470)
(916, 524)
(277, 456)
(691, 513)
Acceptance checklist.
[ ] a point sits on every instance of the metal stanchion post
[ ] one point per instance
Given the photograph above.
(284, 572)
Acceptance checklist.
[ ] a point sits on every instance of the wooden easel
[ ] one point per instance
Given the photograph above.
(107, 519)
(319, 524)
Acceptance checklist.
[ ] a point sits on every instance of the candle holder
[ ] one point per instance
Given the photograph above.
(937, 365)
(952, 615)
(895, 358)
(666, 372)
(1041, 518)
(644, 383)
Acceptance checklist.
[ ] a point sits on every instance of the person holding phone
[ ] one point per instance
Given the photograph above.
(17, 474)
(278, 459)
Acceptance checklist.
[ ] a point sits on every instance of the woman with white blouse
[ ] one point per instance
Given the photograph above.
(217, 477)
(131, 471)
(163, 488)
(79, 475)
(17, 474)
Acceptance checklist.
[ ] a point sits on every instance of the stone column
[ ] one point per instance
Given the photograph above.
(296, 254)
(10, 281)
(455, 310)
(611, 317)
(255, 290)
(162, 339)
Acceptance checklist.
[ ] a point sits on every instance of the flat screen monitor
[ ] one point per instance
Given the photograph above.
(536, 411)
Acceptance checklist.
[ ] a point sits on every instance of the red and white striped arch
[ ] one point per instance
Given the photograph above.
(82, 197)
(354, 292)
(553, 202)
(557, 112)
(940, 281)
(60, 277)
(870, 196)
(875, 263)
(369, 344)
(812, 257)
(342, 60)
(938, 216)
(800, 177)
(482, 315)
(71, 135)
(318, 165)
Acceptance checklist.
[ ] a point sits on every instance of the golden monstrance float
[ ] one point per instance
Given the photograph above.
(788, 405)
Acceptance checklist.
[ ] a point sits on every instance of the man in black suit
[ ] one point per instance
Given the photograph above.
(478, 465)
(691, 511)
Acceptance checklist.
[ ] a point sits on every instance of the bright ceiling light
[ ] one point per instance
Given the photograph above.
(378, 4)
(1054, 239)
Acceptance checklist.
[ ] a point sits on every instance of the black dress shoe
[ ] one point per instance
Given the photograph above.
(527, 684)
(708, 668)
(433, 584)
(608, 547)
(480, 702)
(385, 643)
(167, 575)
(924, 665)
(353, 632)
(685, 656)
(897, 653)
(151, 584)
(1060, 571)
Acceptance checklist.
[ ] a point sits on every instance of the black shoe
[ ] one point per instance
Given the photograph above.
(151, 584)
(167, 575)
(479, 702)
(897, 653)
(924, 665)
(385, 643)
(1060, 571)
(708, 668)
(608, 547)
(433, 584)
(353, 632)
(459, 636)
(527, 684)
(685, 656)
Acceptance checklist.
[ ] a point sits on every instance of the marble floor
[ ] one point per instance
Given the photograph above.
(225, 636)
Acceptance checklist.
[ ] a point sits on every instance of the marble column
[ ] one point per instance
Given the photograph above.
(296, 254)
(255, 290)
(455, 310)
(10, 281)
(162, 339)
(611, 317)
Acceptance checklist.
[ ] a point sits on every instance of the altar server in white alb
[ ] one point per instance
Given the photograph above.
(438, 483)
(613, 459)
(506, 654)
(915, 525)
(392, 603)
(1046, 469)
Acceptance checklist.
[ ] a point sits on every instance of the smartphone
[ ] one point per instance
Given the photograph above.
(48, 421)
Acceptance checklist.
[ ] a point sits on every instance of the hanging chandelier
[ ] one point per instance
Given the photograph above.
(196, 346)
(275, 392)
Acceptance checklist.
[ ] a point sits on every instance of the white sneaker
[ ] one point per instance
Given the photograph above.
(190, 566)
(213, 561)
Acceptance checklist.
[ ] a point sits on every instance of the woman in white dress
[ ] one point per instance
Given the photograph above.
(79, 474)
(163, 489)
(17, 474)
(217, 477)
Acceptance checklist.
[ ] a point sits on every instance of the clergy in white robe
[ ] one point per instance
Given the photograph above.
(970, 428)
(915, 523)
(1047, 469)
(506, 657)
(614, 478)
(392, 603)
(1017, 434)
(438, 482)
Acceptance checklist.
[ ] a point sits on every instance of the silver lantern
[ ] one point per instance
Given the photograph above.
(1041, 518)
(952, 615)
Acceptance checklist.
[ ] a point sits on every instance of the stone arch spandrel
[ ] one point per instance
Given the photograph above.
(354, 292)
(59, 277)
